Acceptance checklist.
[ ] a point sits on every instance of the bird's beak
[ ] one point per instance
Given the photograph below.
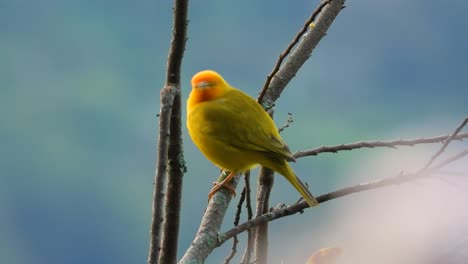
(203, 85)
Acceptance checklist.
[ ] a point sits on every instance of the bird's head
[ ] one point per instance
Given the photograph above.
(207, 85)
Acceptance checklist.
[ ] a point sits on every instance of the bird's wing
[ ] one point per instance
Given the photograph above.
(238, 120)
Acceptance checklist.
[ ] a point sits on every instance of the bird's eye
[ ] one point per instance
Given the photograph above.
(204, 84)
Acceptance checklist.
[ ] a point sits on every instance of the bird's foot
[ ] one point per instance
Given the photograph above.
(225, 183)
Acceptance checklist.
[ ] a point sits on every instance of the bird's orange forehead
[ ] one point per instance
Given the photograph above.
(205, 78)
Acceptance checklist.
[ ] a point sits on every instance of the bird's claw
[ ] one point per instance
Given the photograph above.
(217, 186)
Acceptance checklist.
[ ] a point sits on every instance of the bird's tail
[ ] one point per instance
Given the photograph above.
(289, 174)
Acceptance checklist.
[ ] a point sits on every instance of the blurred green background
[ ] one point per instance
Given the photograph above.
(79, 96)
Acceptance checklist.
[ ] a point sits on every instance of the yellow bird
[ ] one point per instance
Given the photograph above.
(234, 132)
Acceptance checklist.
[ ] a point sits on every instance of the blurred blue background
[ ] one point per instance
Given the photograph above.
(79, 96)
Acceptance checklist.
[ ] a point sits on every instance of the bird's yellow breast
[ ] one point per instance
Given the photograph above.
(207, 128)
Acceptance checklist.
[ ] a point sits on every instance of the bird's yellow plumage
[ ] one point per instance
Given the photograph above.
(233, 131)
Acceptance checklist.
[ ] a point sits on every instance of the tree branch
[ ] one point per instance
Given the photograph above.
(447, 142)
(248, 204)
(291, 45)
(176, 170)
(236, 223)
(265, 184)
(207, 235)
(168, 94)
(163, 240)
(299, 207)
(248, 250)
(309, 38)
(179, 38)
(375, 144)
(286, 125)
(305, 42)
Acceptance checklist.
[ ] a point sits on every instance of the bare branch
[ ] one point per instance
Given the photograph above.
(375, 144)
(248, 192)
(326, 13)
(179, 37)
(265, 184)
(248, 251)
(286, 125)
(236, 223)
(447, 142)
(207, 235)
(168, 94)
(448, 161)
(289, 48)
(298, 207)
(305, 41)
(164, 249)
(176, 170)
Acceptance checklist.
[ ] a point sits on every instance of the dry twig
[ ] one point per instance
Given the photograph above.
(248, 250)
(286, 125)
(236, 223)
(447, 142)
(298, 207)
(375, 144)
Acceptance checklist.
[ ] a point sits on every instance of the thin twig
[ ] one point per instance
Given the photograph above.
(248, 192)
(236, 223)
(176, 163)
(298, 207)
(248, 250)
(447, 142)
(375, 144)
(448, 161)
(179, 38)
(291, 45)
(286, 125)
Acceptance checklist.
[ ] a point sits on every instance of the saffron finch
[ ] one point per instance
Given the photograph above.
(234, 132)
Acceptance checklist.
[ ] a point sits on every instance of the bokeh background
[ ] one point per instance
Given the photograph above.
(79, 95)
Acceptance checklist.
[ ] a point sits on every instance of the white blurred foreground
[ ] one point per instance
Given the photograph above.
(419, 222)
